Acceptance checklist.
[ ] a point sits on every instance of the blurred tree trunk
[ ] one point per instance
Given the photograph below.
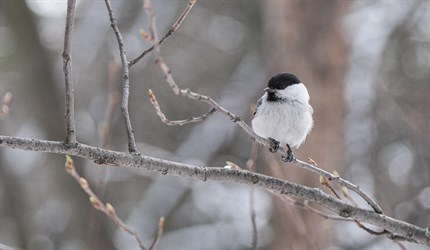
(39, 104)
(400, 160)
(305, 38)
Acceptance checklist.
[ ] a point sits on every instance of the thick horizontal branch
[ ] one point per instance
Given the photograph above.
(400, 230)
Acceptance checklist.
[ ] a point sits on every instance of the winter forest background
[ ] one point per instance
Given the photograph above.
(366, 65)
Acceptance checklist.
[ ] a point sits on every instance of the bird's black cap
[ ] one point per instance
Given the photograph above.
(282, 80)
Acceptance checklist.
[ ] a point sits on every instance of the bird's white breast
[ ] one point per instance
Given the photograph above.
(288, 121)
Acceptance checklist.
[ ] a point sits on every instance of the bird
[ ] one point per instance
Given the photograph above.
(283, 114)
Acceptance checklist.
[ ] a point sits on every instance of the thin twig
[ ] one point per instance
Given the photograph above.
(153, 38)
(400, 230)
(107, 209)
(67, 68)
(325, 183)
(168, 122)
(340, 181)
(305, 205)
(158, 235)
(125, 81)
(172, 30)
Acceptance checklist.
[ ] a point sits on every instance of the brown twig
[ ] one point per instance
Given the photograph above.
(67, 68)
(172, 30)
(125, 81)
(4, 106)
(158, 235)
(153, 38)
(340, 181)
(168, 122)
(325, 183)
(107, 209)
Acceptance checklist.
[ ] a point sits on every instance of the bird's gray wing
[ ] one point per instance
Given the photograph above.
(258, 104)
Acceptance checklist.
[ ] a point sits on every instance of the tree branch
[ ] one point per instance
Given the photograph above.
(172, 30)
(107, 209)
(158, 235)
(399, 230)
(67, 68)
(125, 82)
(168, 122)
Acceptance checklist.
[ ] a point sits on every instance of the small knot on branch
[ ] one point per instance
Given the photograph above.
(345, 213)
(254, 179)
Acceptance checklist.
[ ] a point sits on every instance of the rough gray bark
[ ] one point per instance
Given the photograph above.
(398, 230)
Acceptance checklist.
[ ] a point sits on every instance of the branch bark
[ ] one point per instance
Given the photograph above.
(399, 230)
(125, 81)
(172, 30)
(67, 68)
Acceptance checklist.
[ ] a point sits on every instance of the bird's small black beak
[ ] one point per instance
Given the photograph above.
(269, 90)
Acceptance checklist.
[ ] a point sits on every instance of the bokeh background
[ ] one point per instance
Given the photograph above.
(367, 67)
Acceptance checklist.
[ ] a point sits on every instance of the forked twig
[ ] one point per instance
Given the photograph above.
(168, 122)
(107, 209)
(125, 81)
(325, 183)
(172, 30)
(153, 38)
(67, 68)
(158, 235)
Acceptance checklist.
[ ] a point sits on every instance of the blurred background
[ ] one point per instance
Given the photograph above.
(366, 65)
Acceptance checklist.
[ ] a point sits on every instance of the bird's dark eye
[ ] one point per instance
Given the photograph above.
(272, 97)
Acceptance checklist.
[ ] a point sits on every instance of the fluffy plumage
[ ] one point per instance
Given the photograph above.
(283, 113)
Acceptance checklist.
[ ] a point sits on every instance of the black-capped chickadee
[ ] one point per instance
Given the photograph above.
(283, 114)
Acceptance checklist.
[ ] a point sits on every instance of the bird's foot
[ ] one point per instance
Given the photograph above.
(290, 156)
(274, 145)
